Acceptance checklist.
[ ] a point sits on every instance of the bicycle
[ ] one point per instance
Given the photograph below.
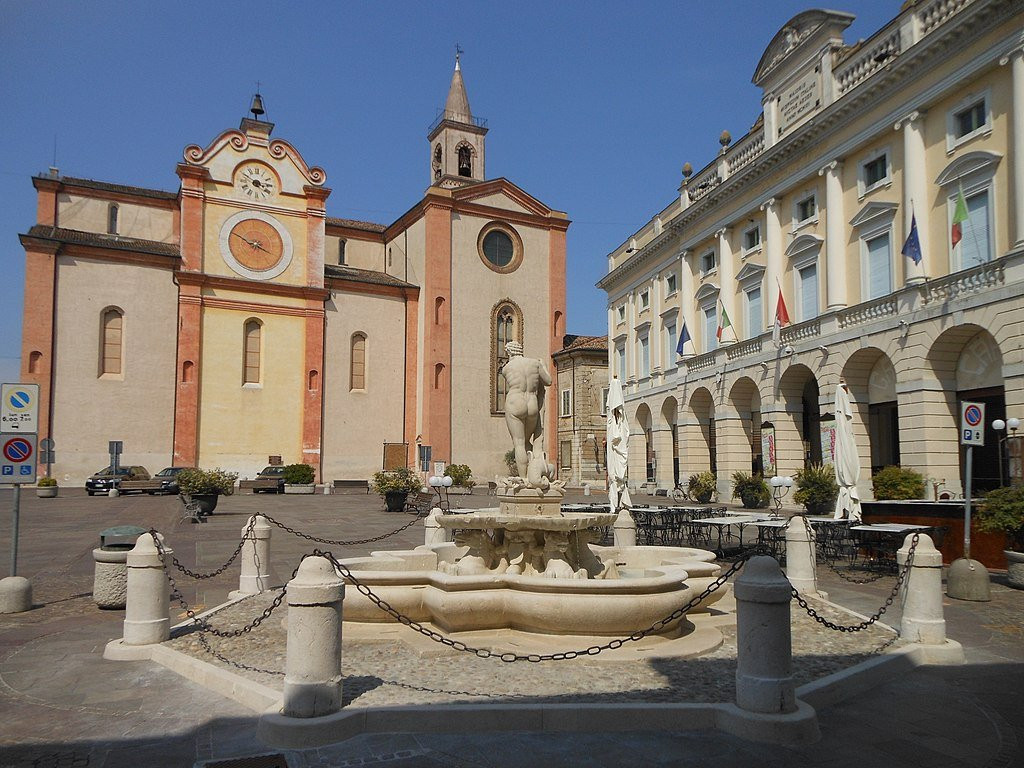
(680, 493)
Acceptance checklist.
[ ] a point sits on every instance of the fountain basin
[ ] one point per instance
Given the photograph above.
(491, 519)
(654, 582)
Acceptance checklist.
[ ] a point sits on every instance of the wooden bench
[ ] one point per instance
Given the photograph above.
(420, 503)
(266, 484)
(138, 486)
(359, 485)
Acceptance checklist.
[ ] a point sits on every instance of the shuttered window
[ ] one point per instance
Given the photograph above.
(879, 266)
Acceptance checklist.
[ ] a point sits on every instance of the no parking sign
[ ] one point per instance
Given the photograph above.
(17, 458)
(972, 423)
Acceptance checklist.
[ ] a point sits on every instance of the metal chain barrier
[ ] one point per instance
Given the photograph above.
(888, 601)
(508, 656)
(338, 543)
(246, 534)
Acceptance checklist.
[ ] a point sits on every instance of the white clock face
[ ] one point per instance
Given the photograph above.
(257, 182)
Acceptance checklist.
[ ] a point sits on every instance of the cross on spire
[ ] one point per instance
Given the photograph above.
(458, 54)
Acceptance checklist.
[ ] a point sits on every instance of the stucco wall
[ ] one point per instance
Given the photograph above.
(89, 214)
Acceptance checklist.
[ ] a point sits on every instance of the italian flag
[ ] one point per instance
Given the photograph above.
(959, 217)
(723, 323)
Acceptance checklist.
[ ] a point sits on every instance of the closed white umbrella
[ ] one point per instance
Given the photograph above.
(846, 461)
(618, 448)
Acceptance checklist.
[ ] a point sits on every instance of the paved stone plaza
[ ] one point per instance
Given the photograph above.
(62, 704)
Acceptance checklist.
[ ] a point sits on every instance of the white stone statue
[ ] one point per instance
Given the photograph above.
(618, 448)
(526, 381)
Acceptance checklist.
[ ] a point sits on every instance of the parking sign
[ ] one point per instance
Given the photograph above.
(19, 407)
(972, 423)
(18, 458)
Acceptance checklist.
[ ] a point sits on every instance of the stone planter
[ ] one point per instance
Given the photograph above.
(110, 579)
(47, 492)
(300, 488)
(395, 500)
(1015, 568)
(207, 502)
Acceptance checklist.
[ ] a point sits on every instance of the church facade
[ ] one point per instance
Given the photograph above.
(876, 209)
(233, 320)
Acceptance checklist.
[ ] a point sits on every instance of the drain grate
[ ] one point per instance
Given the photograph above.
(254, 761)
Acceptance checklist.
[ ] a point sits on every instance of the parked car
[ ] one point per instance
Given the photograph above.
(271, 473)
(168, 481)
(107, 478)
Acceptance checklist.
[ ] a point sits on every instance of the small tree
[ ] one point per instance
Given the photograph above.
(702, 486)
(402, 480)
(460, 474)
(206, 482)
(897, 483)
(816, 487)
(1002, 510)
(752, 490)
(298, 474)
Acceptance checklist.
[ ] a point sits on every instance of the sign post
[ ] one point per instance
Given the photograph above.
(114, 447)
(968, 579)
(19, 425)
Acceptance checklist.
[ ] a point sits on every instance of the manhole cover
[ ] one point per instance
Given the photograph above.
(255, 761)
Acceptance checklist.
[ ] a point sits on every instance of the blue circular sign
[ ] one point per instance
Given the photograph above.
(972, 415)
(20, 400)
(17, 449)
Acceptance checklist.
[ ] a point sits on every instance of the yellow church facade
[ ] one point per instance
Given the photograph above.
(233, 320)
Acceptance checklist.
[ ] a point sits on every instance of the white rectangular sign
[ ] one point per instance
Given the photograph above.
(19, 407)
(17, 457)
(972, 423)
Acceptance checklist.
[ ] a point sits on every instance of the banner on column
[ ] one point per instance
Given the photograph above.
(768, 449)
(828, 441)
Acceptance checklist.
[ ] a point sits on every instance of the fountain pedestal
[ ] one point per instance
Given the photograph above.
(529, 502)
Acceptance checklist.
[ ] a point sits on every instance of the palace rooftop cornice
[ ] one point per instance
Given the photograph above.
(367, 226)
(583, 344)
(970, 24)
(96, 240)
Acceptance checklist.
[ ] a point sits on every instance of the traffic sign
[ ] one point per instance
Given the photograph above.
(972, 423)
(18, 458)
(19, 408)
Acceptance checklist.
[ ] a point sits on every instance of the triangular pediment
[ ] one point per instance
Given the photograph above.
(874, 212)
(502, 194)
(750, 273)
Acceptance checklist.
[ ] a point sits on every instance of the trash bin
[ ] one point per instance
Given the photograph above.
(110, 580)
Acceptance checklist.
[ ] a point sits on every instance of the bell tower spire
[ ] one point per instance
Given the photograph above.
(456, 137)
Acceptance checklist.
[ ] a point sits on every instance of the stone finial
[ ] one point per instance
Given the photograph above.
(687, 170)
(725, 140)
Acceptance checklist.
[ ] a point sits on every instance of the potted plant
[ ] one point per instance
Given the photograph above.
(206, 486)
(897, 484)
(1002, 511)
(298, 478)
(816, 488)
(395, 485)
(46, 488)
(752, 490)
(702, 486)
(461, 475)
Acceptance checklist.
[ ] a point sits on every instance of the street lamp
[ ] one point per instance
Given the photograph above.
(437, 483)
(1013, 424)
(780, 487)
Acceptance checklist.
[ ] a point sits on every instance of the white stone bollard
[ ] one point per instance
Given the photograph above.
(254, 576)
(764, 678)
(624, 529)
(433, 533)
(147, 617)
(312, 681)
(800, 556)
(921, 594)
(15, 594)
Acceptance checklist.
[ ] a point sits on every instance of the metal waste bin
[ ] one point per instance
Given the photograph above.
(110, 580)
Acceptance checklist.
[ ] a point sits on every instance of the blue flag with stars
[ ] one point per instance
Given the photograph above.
(912, 247)
(684, 336)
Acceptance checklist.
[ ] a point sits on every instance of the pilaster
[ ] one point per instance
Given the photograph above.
(727, 273)
(1016, 61)
(915, 195)
(772, 252)
(37, 324)
(835, 240)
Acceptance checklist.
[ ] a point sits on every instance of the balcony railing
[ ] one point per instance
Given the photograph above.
(700, 362)
(804, 330)
(861, 65)
(968, 281)
(869, 310)
(744, 348)
(455, 117)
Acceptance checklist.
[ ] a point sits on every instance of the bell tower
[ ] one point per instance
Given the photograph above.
(456, 138)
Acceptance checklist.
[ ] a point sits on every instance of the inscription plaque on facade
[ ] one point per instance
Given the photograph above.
(800, 99)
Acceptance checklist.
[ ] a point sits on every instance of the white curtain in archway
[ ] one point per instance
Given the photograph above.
(846, 461)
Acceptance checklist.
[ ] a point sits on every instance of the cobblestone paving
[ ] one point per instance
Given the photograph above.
(393, 673)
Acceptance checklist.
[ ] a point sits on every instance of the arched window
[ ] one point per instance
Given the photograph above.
(439, 376)
(252, 354)
(506, 326)
(112, 333)
(357, 369)
(465, 160)
(34, 360)
(112, 219)
(438, 310)
(188, 372)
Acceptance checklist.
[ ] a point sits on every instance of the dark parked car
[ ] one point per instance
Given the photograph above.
(271, 473)
(168, 478)
(106, 478)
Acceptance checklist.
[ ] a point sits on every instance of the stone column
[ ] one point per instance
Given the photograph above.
(915, 194)
(921, 594)
(789, 448)
(662, 437)
(929, 436)
(800, 556)
(772, 254)
(312, 682)
(835, 236)
(686, 300)
(637, 462)
(733, 451)
(727, 275)
(695, 456)
(764, 678)
(255, 556)
(147, 616)
(1016, 60)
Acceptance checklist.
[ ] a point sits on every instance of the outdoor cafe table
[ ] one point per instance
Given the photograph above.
(741, 521)
(771, 532)
(883, 539)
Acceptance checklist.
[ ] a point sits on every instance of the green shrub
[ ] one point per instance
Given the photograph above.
(752, 490)
(816, 487)
(510, 463)
(897, 483)
(203, 482)
(298, 474)
(403, 480)
(702, 486)
(46, 482)
(1002, 509)
(460, 474)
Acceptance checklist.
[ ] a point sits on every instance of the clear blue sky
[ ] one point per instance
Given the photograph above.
(593, 107)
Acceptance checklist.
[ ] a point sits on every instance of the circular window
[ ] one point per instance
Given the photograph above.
(500, 248)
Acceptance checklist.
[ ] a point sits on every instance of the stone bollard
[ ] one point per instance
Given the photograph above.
(624, 529)
(312, 681)
(921, 594)
(15, 594)
(254, 577)
(147, 617)
(800, 556)
(110, 576)
(433, 533)
(764, 680)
